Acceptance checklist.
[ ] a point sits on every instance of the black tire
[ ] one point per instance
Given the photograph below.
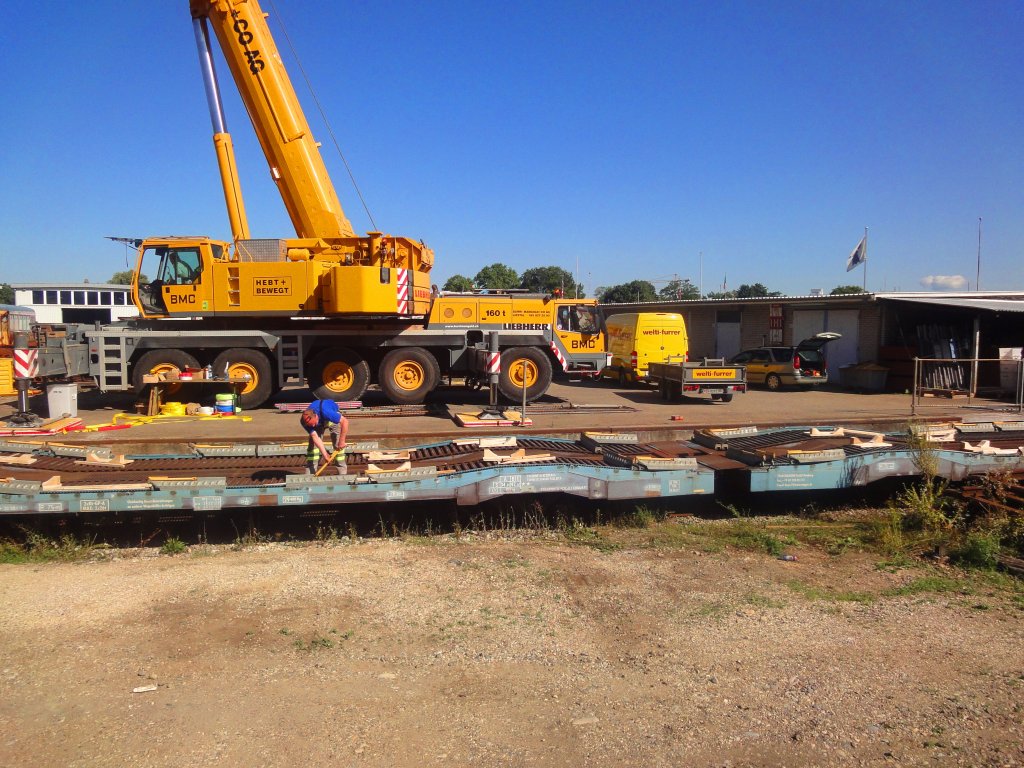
(773, 382)
(408, 374)
(242, 362)
(160, 360)
(537, 367)
(338, 374)
(726, 398)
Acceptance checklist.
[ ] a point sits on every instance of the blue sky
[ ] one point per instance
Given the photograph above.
(629, 136)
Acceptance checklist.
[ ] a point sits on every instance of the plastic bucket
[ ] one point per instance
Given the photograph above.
(62, 400)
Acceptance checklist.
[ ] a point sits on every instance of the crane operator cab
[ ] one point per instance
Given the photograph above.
(578, 326)
(179, 271)
(578, 318)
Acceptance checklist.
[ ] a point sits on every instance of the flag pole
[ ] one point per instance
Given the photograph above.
(865, 259)
(977, 275)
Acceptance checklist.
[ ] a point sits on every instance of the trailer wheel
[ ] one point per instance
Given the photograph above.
(519, 365)
(158, 361)
(338, 374)
(408, 374)
(726, 398)
(251, 364)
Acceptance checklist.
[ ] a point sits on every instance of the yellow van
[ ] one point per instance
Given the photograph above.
(637, 339)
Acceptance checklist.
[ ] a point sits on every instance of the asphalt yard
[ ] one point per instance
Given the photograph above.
(568, 409)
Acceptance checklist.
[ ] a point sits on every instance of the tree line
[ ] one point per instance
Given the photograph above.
(496, 277)
(499, 277)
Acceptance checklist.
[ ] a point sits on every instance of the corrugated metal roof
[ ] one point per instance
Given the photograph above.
(965, 302)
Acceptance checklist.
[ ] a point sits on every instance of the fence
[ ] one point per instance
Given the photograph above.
(958, 377)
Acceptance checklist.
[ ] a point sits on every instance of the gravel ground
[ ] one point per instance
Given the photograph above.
(501, 652)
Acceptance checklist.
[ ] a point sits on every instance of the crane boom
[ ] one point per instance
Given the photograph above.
(280, 124)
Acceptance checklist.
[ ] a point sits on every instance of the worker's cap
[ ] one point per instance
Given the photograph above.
(308, 418)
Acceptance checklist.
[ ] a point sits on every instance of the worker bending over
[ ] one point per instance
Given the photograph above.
(323, 416)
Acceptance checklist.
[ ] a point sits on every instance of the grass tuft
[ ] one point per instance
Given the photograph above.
(173, 546)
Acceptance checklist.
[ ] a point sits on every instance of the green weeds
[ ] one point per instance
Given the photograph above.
(812, 592)
(319, 641)
(38, 548)
(173, 546)
(929, 584)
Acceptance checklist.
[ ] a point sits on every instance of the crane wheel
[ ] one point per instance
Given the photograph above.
(529, 366)
(338, 374)
(408, 374)
(251, 364)
(158, 361)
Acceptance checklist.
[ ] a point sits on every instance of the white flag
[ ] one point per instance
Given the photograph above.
(859, 255)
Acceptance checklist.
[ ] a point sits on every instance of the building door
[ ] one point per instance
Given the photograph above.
(727, 333)
(844, 351)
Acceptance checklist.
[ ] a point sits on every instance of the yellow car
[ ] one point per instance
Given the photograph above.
(778, 367)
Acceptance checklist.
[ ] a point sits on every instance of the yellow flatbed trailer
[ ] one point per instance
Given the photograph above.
(712, 377)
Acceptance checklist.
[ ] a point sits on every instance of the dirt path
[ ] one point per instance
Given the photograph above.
(501, 653)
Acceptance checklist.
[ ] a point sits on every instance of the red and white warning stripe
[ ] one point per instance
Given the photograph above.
(493, 362)
(559, 355)
(403, 291)
(26, 364)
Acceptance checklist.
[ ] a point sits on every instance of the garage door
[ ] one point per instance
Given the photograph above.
(840, 352)
(727, 333)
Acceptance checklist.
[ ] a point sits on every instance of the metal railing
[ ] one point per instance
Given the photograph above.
(958, 377)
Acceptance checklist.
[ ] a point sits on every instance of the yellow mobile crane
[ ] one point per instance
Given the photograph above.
(328, 306)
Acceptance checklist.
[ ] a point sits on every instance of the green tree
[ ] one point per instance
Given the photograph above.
(721, 295)
(757, 290)
(547, 279)
(496, 277)
(627, 293)
(677, 290)
(844, 290)
(125, 278)
(6, 294)
(458, 283)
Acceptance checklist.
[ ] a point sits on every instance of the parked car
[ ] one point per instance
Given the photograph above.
(777, 367)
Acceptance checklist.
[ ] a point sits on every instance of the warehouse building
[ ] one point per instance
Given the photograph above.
(76, 302)
(889, 329)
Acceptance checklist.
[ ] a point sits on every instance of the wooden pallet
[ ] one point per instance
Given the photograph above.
(949, 394)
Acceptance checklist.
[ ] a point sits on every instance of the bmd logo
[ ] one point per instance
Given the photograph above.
(189, 298)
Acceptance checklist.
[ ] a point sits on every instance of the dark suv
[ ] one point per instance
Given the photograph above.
(778, 367)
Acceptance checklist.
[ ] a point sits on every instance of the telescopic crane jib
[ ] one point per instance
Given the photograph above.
(326, 269)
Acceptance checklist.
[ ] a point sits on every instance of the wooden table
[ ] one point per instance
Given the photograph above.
(202, 391)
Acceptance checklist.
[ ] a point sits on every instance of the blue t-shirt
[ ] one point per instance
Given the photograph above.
(326, 410)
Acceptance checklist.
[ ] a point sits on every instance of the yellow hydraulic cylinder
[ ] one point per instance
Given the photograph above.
(232, 189)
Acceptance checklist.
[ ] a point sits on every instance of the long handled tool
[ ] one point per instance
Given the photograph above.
(330, 461)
